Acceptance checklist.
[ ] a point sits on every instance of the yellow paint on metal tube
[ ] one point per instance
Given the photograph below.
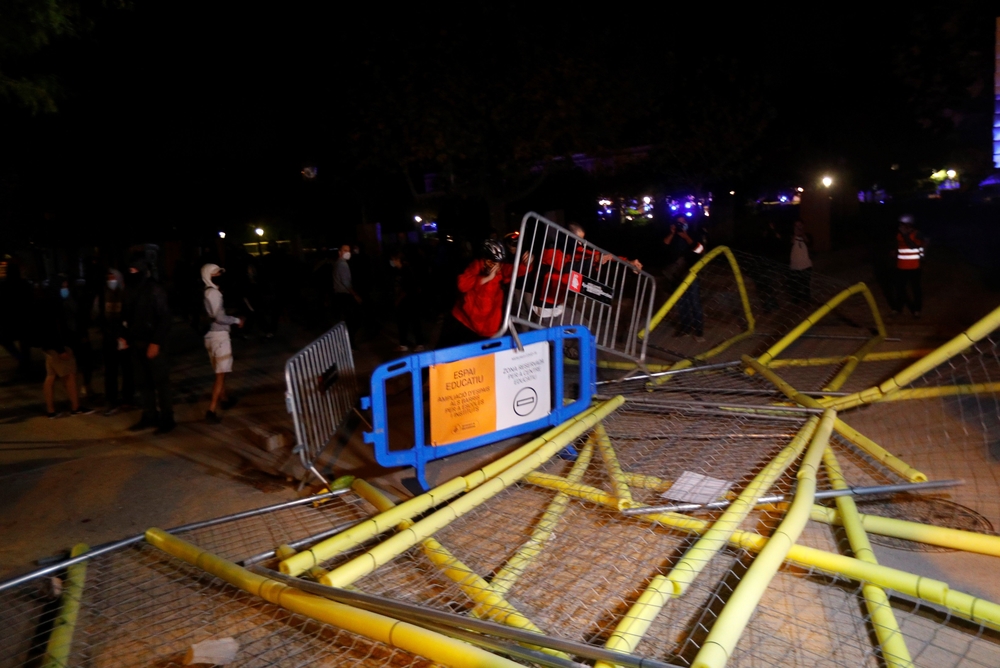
(392, 632)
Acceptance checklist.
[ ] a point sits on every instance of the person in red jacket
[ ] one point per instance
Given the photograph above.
(909, 258)
(479, 310)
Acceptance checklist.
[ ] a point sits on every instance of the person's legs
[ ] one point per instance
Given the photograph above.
(74, 398)
(918, 293)
(147, 387)
(109, 351)
(697, 317)
(898, 298)
(160, 368)
(218, 392)
(48, 388)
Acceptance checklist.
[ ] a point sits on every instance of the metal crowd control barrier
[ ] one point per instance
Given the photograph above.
(322, 390)
(481, 393)
(573, 282)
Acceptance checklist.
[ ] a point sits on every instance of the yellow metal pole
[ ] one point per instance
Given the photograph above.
(571, 488)
(818, 315)
(380, 628)
(618, 478)
(392, 547)
(505, 578)
(967, 541)
(880, 454)
(735, 614)
(488, 602)
(689, 279)
(941, 391)
(955, 346)
(853, 435)
(61, 639)
(884, 356)
(633, 626)
(852, 363)
(385, 521)
(933, 591)
(648, 482)
(890, 638)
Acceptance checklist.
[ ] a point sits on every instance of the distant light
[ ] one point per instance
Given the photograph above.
(649, 215)
(628, 217)
(418, 219)
(800, 189)
(673, 207)
(645, 200)
(783, 199)
(951, 173)
(222, 235)
(706, 213)
(687, 205)
(259, 231)
(688, 214)
(604, 202)
(895, 167)
(732, 192)
(827, 182)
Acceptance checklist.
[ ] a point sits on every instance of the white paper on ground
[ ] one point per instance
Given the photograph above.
(697, 488)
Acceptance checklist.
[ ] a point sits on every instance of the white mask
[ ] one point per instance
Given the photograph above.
(346, 256)
(113, 284)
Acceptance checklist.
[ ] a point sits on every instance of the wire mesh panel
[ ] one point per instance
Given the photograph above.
(322, 390)
(570, 281)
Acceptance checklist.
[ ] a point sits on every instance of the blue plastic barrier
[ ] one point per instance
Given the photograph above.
(423, 451)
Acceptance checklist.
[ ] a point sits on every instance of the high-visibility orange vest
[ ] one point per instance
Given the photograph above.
(909, 250)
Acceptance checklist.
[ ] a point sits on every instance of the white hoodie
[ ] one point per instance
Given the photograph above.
(213, 302)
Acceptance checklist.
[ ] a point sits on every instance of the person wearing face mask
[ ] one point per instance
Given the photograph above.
(117, 362)
(58, 320)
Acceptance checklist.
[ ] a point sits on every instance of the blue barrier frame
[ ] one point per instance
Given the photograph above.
(422, 452)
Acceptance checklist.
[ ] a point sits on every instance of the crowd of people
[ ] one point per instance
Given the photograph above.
(411, 285)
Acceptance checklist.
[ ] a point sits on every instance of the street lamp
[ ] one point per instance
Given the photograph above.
(827, 181)
(259, 232)
(222, 235)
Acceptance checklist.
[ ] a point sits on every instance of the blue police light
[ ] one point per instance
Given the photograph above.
(688, 214)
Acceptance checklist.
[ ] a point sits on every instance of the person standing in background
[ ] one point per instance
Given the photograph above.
(909, 258)
(146, 322)
(117, 360)
(800, 266)
(217, 341)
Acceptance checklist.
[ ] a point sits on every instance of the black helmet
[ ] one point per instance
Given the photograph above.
(493, 250)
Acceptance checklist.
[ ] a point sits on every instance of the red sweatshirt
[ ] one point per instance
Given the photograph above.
(480, 308)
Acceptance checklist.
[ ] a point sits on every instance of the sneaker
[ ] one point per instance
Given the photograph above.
(82, 411)
(114, 410)
(699, 338)
(402, 349)
(52, 416)
(166, 427)
(212, 418)
(142, 424)
(419, 349)
(229, 403)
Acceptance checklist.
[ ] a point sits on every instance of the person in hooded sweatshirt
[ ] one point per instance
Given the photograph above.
(117, 361)
(217, 342)
(146, 324)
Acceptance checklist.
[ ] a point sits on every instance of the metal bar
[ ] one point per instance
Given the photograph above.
(681, 388)
(510, 649)
(125, 542)
(732, 413)
(451, 619)
(778, 498)
(756, 408)
(302, 542)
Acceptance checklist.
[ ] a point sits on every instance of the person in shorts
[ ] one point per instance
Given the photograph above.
(217, 342)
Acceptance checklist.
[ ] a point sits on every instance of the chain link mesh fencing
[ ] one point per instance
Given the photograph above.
(556, 549)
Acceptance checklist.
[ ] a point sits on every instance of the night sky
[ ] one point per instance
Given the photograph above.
(184, 117)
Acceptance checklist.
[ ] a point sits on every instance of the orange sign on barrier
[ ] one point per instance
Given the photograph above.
(489, 393)
(462, 399)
